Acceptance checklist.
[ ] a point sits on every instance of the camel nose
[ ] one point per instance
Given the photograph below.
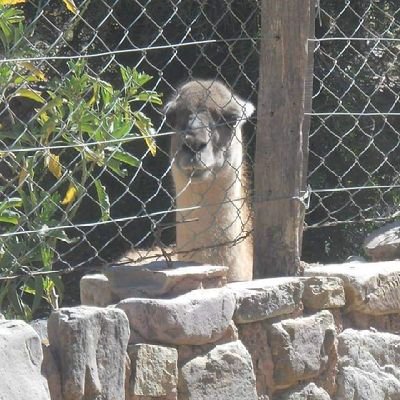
(195, 141)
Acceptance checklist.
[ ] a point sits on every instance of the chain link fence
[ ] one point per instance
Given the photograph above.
(72, 194)
(355, 136)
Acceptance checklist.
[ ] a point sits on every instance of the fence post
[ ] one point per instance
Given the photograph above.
(282, 142)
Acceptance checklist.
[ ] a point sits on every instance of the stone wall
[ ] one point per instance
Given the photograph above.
(150, 333)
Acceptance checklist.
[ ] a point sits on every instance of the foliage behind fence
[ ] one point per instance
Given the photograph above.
(84, 168)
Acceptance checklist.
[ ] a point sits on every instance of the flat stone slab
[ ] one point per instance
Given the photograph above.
(266, 298)
(157, 279)
(198, 317)
(371, 288)
(384, 243)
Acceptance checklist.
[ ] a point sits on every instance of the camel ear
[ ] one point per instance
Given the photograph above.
(170, 114)
(241, 112)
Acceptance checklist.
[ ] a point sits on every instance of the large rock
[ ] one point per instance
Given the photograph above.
(305, 392)
(199, 317)
(368, 366)
(188, 352)
(154, 372)
(302, 348)
(266, 298)
(371, 288)
(384, 243)
(323, 293)
(225, 373)
(20, 363)
(90, 346)
(254, 336)
(157, 279)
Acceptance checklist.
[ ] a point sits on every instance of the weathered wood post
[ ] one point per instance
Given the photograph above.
(282, 135)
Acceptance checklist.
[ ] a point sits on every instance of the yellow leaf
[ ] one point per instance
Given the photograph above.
(70, 196)
(11, 2)
(22, 175)
(71, 6)
(151, 144)
(52, 162)
(35, 71)
(34, 95)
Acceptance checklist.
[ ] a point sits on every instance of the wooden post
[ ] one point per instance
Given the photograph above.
(280, 161)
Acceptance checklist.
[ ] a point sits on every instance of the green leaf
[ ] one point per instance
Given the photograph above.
(103, 199)
(123, 156)
(14, 299)
(38, 293)
(9, 219)
(115, 167)
(31, 94)
(12, 202)
(123, 130)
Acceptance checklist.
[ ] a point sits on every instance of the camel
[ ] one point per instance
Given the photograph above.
(213, 222)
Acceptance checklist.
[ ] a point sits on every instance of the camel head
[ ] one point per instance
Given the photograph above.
(206, 118)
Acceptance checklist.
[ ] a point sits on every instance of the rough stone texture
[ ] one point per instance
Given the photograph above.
(187, 352)
(157, 279)
(255, 338)
(384, 323)
(225, 373)
(199, 317)
(368, 366)
(323, 293)
(154, 372)
(384, 243)
(305, 392)
(90, 345)
(266, 298)
(301, 348)
(371, 288)
(51, 372)
(20, 362)
(95, 290)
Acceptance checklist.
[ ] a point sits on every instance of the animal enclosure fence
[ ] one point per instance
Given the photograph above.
(84, 165)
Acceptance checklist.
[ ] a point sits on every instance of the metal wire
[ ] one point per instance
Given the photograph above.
(355, 121)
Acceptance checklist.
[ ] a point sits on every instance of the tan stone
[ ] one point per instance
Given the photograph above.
(154, 372)
(301, 348)
(368, 366)
(371, 288)
(157, 279)
(188, 352)
(254, 336)
(89, 344)
(266, 298)
(323, 293)
(95, 290)
(224, 373)
(199, 317)
(20, 362)
(309, 391)
(384, 243)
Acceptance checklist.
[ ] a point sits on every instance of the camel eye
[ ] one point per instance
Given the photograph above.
(225, 119)
(170, 118)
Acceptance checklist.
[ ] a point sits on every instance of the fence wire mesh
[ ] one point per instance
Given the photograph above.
(355, 135)
(84, 164)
